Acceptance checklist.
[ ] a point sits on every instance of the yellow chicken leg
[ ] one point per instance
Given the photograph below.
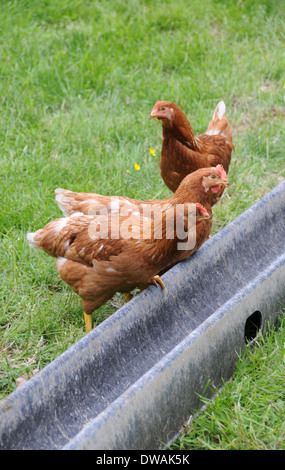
(128, 297)
(88, 322)
(156, 280)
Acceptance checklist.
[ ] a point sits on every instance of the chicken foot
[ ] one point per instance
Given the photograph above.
(157, 280)
(128, 297)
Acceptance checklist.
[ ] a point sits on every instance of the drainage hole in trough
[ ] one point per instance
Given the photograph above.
(252, 326)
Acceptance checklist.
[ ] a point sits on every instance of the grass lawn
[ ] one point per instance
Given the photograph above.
(78, 80)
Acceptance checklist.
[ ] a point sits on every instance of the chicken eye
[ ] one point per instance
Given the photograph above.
(163, 108)
(213, 177)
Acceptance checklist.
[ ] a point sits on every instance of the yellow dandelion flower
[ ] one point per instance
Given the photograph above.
(137, 167)
(152, 151)
(128, 171)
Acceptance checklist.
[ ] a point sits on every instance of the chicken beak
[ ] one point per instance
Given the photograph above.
(204, 216)
(154, 112)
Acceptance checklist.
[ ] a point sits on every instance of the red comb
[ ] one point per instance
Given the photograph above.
(221, 171)
(157, 103)
(202, 208)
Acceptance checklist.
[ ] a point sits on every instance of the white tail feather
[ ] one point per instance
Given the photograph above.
(31, 241)
(219, 124)
(60, 201)
(220, 110)
(59, 263)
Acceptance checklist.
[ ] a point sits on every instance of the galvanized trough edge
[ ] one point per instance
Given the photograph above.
(159, 393)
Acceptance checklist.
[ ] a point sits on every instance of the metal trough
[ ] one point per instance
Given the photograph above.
(134, 380)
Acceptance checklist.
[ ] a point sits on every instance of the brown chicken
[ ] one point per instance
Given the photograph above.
(98, 264)
(204, 186)
(182, 152)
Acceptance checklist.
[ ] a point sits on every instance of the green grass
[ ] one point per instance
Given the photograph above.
(78, 80)
(249, 412)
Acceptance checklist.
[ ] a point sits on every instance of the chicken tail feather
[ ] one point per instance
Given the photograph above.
(219, 124)
(32, 242)
(65, 201)
(87, 203)
(56, 237)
